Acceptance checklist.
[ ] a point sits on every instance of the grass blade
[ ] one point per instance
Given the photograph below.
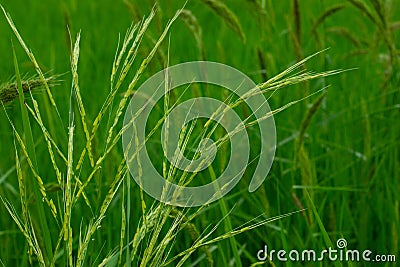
(31, 57)
(325, 235)
(42, 228)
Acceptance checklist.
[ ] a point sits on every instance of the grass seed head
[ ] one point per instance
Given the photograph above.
(9, 91)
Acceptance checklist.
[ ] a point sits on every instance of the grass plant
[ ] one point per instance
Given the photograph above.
(65, 188)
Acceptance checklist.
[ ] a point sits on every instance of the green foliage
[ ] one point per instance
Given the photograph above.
(65, 190)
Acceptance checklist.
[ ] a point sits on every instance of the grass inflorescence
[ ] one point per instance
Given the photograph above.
(73, 201)
(9, 89)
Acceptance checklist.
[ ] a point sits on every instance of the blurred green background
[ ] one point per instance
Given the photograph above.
(349, 163)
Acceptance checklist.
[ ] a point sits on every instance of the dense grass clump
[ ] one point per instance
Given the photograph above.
(67, 198)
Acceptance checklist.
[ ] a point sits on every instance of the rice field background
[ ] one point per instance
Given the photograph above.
(67, 198)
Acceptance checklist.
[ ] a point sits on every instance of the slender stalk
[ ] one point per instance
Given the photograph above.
(227, 222)
(42, 229)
